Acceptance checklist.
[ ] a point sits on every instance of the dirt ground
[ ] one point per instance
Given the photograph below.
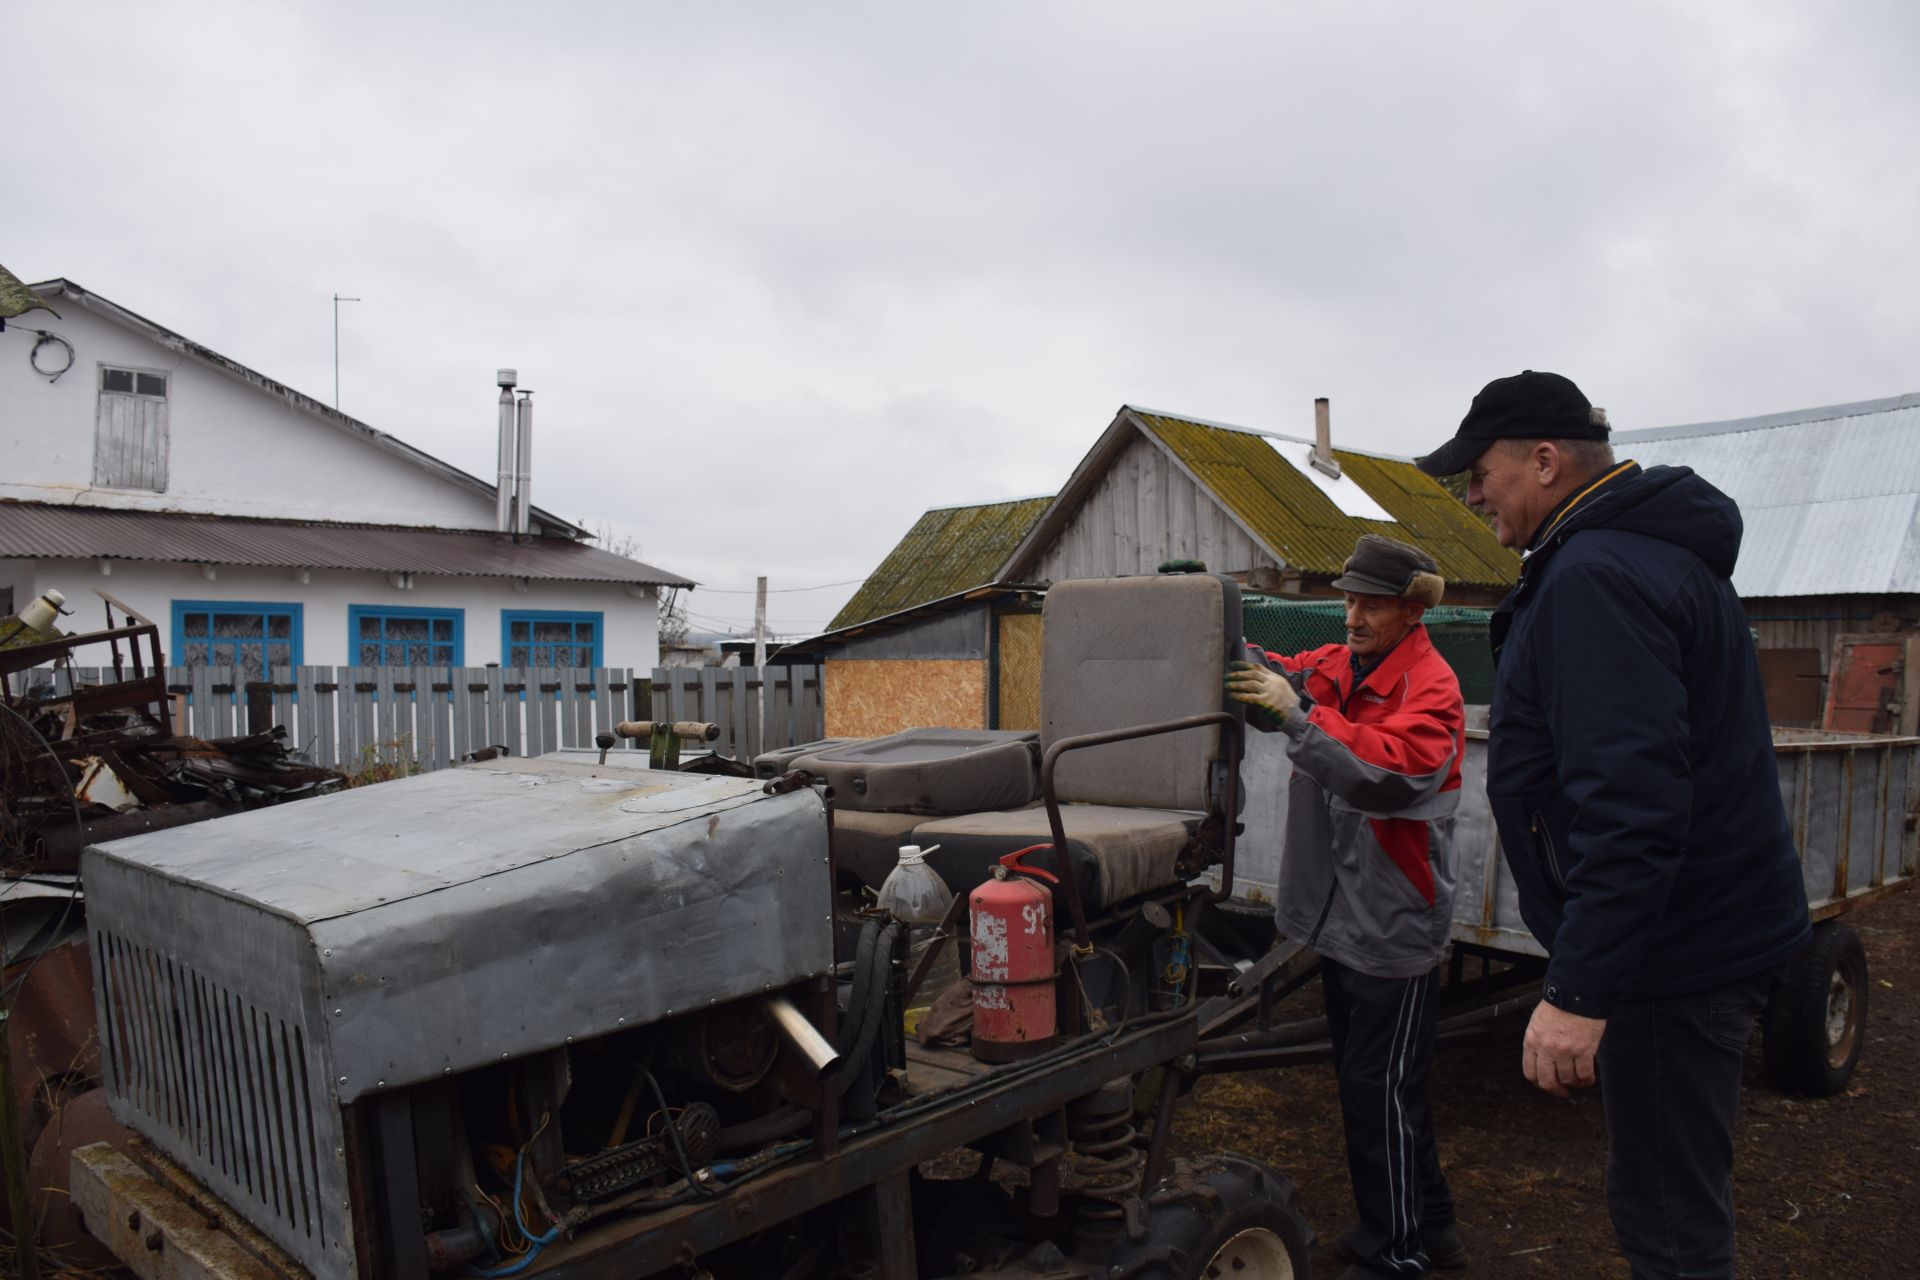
(1822, 1188)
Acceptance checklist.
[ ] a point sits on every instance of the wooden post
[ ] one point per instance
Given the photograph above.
(26, 1240)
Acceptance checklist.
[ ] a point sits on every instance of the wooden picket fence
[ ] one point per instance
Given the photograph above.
(388, 720)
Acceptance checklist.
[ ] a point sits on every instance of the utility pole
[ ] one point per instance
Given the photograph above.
(337, 300)
(760, 650)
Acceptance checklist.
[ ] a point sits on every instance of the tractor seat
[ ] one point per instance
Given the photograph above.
(1116, 852)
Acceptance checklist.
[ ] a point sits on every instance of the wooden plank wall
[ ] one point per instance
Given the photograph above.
(393, 719)
(1143, 512)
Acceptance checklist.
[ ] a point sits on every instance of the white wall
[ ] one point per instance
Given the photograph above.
(631, 624)
(234, 448)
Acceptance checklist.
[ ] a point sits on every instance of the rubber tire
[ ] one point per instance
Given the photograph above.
(1794, 1030)
(1184, 1233)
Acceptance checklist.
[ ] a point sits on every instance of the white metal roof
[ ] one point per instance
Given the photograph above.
(1831, 497)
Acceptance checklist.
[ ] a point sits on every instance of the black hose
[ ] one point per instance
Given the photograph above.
(858, 1002)
(761, 1130)
(855, 1058)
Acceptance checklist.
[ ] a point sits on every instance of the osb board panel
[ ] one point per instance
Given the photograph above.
(1019, 688)
(866, 698)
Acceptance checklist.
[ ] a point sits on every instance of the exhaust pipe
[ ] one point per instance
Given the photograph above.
(509, 452)
(802, 1036)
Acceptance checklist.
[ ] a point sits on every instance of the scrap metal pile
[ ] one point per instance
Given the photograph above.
(86, 762)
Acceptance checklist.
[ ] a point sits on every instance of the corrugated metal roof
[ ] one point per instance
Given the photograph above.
(1830, 496)
(1303, 526)
(39, 531)
(948, 550)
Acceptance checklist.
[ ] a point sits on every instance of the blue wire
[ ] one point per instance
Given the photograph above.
(539, 1242)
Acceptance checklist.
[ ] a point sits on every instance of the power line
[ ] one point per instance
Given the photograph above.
(776, 591)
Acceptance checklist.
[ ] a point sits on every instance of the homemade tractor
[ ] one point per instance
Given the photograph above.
(574, 1017)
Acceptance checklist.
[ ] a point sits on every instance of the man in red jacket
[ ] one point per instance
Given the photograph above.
(1375, 730)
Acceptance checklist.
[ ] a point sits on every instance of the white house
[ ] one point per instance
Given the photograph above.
(257, 525)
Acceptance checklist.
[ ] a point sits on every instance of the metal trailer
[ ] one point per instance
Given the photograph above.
(1851, 800)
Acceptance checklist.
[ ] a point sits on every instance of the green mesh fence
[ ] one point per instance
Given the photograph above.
(1290, 625)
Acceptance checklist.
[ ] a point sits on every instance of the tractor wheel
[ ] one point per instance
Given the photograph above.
(1222, 1216)
(1816, 1023)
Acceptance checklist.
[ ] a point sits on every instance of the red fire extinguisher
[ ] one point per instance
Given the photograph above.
(1013, 969)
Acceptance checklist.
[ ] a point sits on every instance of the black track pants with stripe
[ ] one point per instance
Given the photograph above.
(1383, 1032)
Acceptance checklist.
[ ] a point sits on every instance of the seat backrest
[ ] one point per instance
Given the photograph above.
(1127, 651)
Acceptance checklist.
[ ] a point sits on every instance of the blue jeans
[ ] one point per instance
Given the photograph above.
(1670, 1081)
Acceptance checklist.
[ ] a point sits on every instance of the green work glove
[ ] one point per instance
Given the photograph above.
(1259, 686)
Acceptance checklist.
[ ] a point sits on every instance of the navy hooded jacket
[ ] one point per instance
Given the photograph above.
(1630, 765)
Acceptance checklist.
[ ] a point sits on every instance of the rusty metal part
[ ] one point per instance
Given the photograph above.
(792, 780)
(1235, 735)
(731, 1047)
(60, 846)
(644, 1245)
(81, 1121)
(692, 730)
(1107, 1159)
(50, 1035)
(158, 1231)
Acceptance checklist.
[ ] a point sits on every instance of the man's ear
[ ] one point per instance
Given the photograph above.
(1547, 462)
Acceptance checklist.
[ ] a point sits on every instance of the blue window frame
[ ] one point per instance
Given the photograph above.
(236, 633)
(398, 636)
(530, 638)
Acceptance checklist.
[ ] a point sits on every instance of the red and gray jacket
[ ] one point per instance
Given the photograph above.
(1366, 878)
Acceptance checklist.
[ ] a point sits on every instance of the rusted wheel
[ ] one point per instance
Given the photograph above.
(1223, 1216)
(1816, 1023)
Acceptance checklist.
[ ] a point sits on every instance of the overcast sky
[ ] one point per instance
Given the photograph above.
(785, 275)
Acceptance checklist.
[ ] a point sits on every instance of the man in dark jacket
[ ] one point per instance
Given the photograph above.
(1631, 774)
(1375, 728)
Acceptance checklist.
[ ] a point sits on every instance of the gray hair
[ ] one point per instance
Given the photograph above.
(1588, 457)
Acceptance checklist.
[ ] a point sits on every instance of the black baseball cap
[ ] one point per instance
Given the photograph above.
(1527, 406)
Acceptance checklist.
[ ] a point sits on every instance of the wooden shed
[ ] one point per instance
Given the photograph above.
(931, 637)
(1279, 513)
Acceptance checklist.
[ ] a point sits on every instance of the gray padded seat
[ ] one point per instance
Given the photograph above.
(779, 761)
(1119, 652)
(931, 770)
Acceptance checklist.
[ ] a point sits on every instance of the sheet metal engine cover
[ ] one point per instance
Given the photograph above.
(258, 972)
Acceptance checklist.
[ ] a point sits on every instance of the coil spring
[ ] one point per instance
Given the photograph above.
(1108, 1163)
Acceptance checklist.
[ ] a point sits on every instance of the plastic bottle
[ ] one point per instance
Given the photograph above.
(913, 891)
(40, 614)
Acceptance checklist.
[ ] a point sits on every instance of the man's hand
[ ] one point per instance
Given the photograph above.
(1559, 1049)
(1261, 687)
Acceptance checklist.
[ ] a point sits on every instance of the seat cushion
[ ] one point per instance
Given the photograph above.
(867, 845)
(1134, 651)
(931, 770)
(1116, 852)
(775, 763)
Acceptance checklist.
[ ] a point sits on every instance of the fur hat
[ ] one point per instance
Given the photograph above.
(1382, 567)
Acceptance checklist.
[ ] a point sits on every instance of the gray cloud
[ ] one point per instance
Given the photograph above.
(783, 276)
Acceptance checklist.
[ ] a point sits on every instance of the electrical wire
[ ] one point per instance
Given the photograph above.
(776, 591)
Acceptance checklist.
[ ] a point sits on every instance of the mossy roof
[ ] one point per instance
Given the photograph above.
(1301, 524)
(948, 550)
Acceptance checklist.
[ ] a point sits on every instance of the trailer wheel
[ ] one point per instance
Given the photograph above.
(1815, 1025)
(1218, 1217)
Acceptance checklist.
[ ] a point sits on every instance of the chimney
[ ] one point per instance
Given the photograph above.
(523, 474)
(1322, 455)
(503, 505)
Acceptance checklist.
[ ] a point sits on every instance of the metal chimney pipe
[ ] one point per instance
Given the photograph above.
(503, 504)
(523, 474)
(1322, 457)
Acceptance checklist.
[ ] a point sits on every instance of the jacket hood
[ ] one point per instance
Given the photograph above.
(1669, 503)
